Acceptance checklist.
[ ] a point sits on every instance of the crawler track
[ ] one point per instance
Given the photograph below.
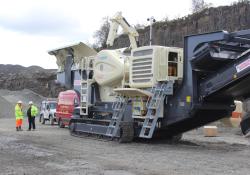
(126, 134)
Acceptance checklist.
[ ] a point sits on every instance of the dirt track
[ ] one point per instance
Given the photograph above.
(51, 150)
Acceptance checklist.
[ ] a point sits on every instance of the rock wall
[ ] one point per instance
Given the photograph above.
(171, 33)
(35, 78)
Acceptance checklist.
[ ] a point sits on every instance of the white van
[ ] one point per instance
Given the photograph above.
(47, 111)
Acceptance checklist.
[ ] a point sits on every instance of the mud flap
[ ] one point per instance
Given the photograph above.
(245, 124)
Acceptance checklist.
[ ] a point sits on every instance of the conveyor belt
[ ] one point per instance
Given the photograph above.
(230, 81)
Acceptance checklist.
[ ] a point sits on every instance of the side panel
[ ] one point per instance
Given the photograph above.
(67, 70)
(61, 77)
(181, 105)
(77, 80)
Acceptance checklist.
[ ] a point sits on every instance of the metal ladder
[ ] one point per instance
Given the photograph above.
(85, 84)
(118, 107)
(154, 105)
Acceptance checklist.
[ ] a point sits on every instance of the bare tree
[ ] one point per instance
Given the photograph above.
(199, 5)
(165, 18)
(101, 35)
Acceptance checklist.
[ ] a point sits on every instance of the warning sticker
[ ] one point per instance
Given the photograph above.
(242, 66)
(77, 82)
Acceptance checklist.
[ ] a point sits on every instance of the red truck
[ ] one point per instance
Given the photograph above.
(67, 101)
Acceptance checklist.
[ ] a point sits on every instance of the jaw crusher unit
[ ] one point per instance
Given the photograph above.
(216, 70)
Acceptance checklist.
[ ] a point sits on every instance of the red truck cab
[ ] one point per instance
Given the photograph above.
(67, 101)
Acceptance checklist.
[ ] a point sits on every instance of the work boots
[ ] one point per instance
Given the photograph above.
(20, 129)
(17, 129)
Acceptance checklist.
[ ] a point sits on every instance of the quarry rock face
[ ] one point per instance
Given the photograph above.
(171, 33)
(35, 78)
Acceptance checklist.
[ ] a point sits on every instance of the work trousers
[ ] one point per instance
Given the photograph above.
(31, 122)
(19, 122)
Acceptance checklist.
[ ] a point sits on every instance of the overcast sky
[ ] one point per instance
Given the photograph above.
(29, 28)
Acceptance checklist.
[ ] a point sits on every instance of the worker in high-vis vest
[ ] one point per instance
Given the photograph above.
(31, 113)
(19, 115)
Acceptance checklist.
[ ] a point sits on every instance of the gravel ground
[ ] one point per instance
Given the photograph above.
(51, 150)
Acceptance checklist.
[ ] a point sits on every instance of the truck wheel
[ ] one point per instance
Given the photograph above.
(72, 127)
(60, 124)
(126, 132)
(43, 120)
(51, 120)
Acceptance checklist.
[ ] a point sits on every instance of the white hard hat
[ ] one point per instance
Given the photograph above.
(30, 102)
(20, 102)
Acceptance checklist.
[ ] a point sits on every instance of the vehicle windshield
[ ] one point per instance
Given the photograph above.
(52, 105)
